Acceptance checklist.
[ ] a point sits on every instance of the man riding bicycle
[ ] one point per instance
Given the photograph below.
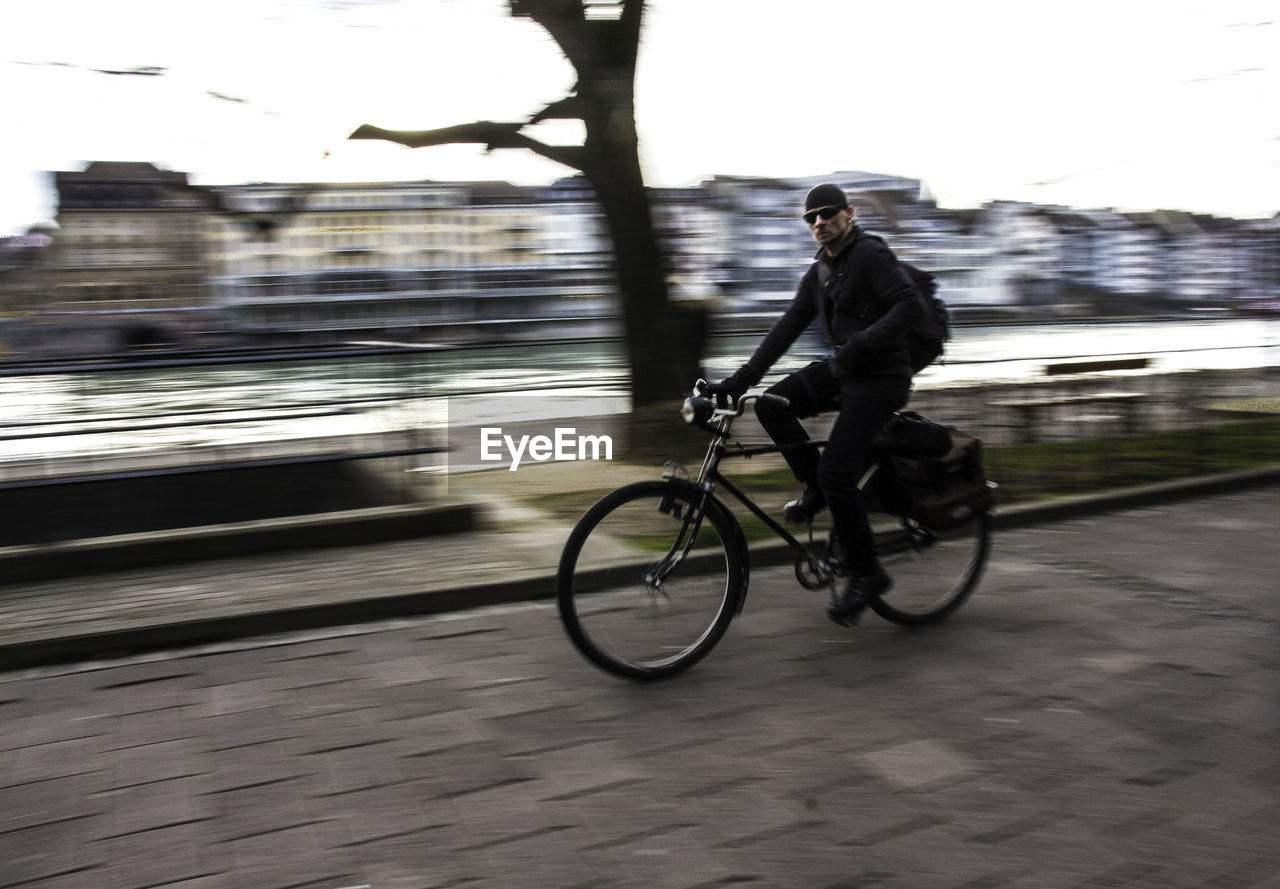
(866, 303)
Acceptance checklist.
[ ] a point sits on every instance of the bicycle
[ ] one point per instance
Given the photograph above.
(653, 574)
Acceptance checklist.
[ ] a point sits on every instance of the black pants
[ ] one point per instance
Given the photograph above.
(865, 405)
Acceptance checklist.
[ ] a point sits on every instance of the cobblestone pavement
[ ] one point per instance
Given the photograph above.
(1104, 712)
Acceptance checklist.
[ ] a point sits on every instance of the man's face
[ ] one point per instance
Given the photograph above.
(828, 225)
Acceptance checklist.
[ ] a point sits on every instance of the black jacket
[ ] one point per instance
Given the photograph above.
(866, 303)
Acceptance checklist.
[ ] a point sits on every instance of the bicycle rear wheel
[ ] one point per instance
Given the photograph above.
(649, 580)
(933, 573)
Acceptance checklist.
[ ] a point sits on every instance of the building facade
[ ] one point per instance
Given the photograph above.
(142, 257)
(404, 259)
(132, 251)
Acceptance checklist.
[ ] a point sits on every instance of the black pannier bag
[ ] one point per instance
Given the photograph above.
(935, 473)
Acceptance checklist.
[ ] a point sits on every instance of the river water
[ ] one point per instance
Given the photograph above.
(145, 408)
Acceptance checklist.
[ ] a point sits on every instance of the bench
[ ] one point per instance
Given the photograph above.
(1030, 411)
(1095, 365)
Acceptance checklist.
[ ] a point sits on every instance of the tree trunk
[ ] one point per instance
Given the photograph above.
(663, 339)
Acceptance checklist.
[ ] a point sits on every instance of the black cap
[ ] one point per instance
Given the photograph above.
(826, 195)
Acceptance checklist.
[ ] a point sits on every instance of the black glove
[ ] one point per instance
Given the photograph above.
(735, 385)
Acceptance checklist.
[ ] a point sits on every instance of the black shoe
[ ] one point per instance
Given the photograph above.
(852, 593)
(802, 510)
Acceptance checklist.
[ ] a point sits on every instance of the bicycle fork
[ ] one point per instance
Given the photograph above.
(690, 524)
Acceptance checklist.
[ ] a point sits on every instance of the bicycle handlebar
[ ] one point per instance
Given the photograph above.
(700, 410)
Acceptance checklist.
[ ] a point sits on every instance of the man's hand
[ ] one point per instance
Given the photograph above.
(733, 386)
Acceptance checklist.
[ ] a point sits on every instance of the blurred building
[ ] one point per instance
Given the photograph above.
(23, 279)
(403, 259)
(130, 262)
(143, 257)
(1207, 258)
(946, 243)
(23, 261)
(1104, 257)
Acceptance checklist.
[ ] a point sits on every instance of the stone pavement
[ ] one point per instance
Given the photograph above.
(1103, 713)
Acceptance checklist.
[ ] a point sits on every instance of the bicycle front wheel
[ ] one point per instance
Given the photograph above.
(650, 579)
(933, 573)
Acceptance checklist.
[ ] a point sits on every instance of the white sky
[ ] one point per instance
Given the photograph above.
(1134, 104)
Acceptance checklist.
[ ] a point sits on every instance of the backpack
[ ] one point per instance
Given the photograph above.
(928, 337)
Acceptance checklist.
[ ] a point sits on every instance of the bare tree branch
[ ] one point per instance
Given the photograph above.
(490, 134)
(568, 108)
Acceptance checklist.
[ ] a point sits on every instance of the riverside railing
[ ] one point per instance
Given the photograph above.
(160, 412)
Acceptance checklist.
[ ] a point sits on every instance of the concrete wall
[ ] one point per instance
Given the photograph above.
(51, 512)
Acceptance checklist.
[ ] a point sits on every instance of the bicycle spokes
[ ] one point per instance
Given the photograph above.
(932, 573)
(651, 578)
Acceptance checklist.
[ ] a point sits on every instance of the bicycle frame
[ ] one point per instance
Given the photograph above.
(720, 451)
(709, 475)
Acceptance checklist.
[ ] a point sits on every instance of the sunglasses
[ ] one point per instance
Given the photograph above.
(822, 212)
